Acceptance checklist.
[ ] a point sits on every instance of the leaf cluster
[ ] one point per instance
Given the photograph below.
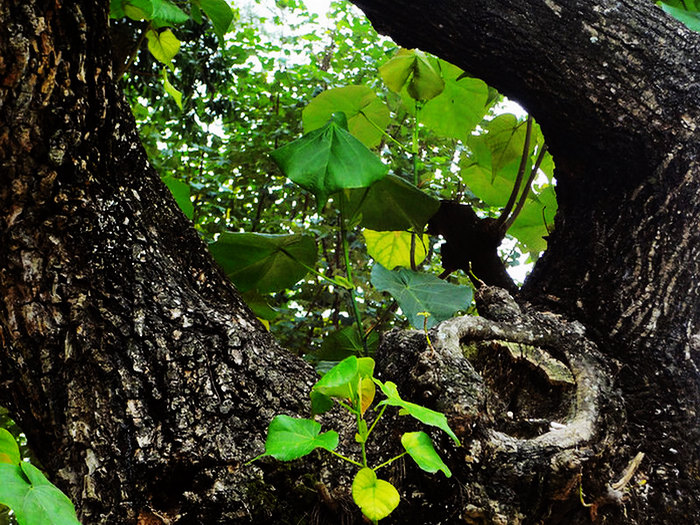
(352, 385)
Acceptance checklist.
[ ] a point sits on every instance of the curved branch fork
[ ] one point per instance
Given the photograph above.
(527, 393)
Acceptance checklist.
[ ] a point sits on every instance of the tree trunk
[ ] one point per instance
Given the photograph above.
(124, 348)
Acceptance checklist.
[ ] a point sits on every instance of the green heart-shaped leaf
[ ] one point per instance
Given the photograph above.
(264, 262)
(375, 497)
(290, 438)
(341, 381)
(367, 115)
(414, 70)
(219, 13)
(421, 292)
(329, 159)
(9, 449)
(163, 46)
(391, 204)
(420, 447)
(33, 498)
(459, 108)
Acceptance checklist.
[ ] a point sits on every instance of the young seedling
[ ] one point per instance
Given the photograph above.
(351, 384)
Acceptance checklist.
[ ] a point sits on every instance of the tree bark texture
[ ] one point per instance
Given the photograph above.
(144, 383)
(137, 372)
(614, 87)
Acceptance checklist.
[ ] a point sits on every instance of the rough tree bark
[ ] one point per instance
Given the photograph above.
(123, 347)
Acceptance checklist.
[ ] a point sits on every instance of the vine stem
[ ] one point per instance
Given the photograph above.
(381, 413)
(125, 67)
(526, 191)
(416, 178)
(505, 215)
(348, 273)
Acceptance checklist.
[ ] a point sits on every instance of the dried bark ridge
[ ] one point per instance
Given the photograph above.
(520, 446)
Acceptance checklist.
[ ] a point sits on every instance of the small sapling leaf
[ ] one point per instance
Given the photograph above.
(421, 413)
(420, 447)
(290, 438)
(375, 497)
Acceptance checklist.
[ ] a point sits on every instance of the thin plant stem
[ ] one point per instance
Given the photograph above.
(125, 67)
(526, 190)
(385, 314)
(312, 270)
(383, 132)
(376, 420)
(348, 273)
(415, 149)
(348, 408)
(519, 178)
(346, 458)
(389, 462)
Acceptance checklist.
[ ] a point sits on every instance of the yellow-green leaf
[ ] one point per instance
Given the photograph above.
(177, 95)
(163, 46)
(375, 497)
(367, 391)
(392, 249)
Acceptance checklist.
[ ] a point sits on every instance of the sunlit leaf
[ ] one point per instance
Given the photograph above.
(421, 292)
(375, 497)
(492, 187)
(173, 92)
(329, 159)
(420, 447)
(392, 249)
(264, 262)
(163, 46)
(414, 70)
(290, 438)
(532, 223)
(459, 108)
(367, 115)
(505, 139)
(367, 391)
(341, 381)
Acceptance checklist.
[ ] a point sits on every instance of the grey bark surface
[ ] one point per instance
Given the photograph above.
(144, 382)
